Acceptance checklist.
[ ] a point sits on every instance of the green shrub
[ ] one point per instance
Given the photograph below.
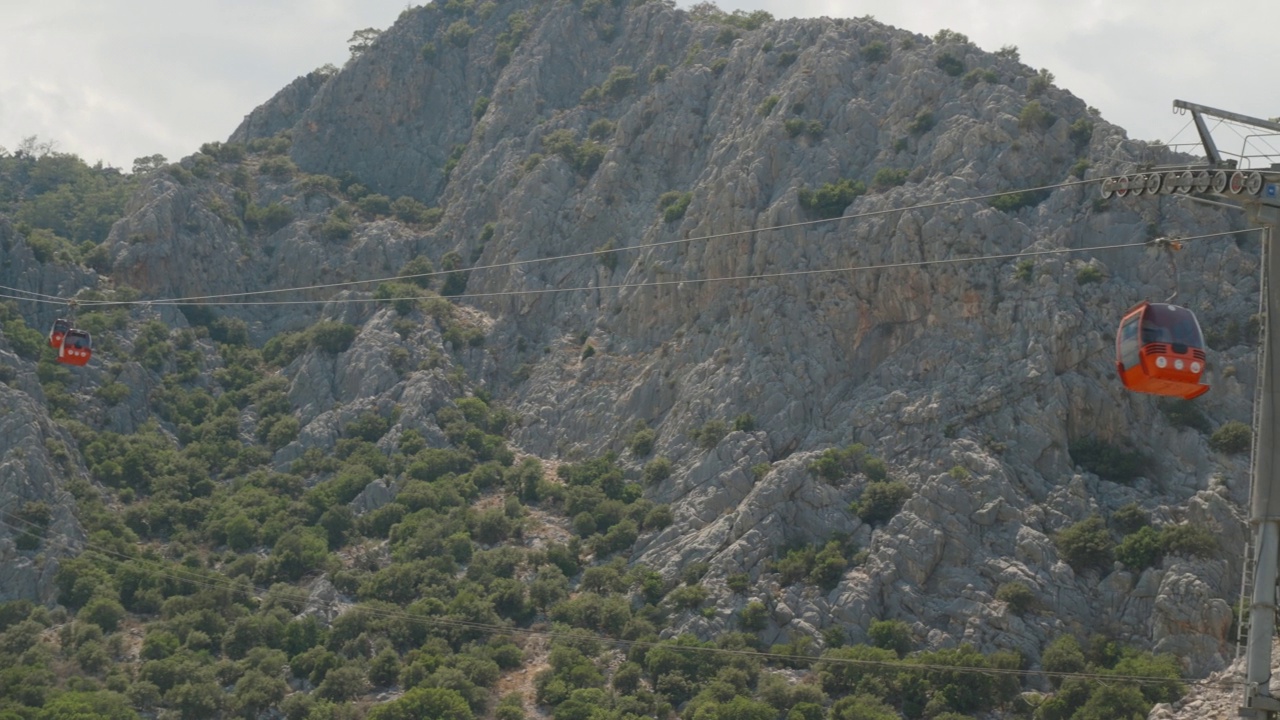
(830, 200)
(829, 565)
(768, 105)
(1184, 414)
(1089, 274)
(113, 392)
(267, 219)
(659, 73)
(673, 204)
(1015, 201)
(335, 228)
(1129, 518)
(374, 205)
(709, 435)
(408, 210)
(875, 51)
(332, 337)
(892, 635)
(1063, 655)
(620, 82)
(1112, 701)
(886, 178)
(1108, 461)
(1231, 438)
(786, 58)
(26, 342)
(754, 617)
(1080, 132)
(922, 123)
(455, 156)
(459, 33)
(1017, 595)
(480, 107)
(796, 126)
(1085, 545)
(726, 36)
(656, 470)
(1140, 549)
(601, 129)
(658, 518)
(369, 426)
(983, 75)
(1189, 539)
(279, 167)
(1039, 82)
(641, 441)
(1025, 270)
(834, 464)
(607, 254)
(584, 157)
(950, 64)
(455, 279)
(689, 597)
(880, 501)
(1035, 117)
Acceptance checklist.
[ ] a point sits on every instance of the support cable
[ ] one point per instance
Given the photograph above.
(681, 281)
(702, 238)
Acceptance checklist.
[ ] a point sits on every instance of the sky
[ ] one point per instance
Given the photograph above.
(118, 80)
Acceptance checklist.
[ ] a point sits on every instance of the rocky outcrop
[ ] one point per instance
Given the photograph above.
(38, 524)
(282, 111)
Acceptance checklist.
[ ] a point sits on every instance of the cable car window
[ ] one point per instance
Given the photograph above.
(1128, 348)
(1174, 324)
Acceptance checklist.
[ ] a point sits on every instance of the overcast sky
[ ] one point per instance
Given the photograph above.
(117, 80)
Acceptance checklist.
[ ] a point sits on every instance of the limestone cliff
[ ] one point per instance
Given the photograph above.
(542, 130)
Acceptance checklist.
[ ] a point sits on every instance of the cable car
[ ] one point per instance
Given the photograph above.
(76, 348)
(1159, 350)
(60, 328)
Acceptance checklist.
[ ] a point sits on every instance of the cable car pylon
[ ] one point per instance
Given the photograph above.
(1257, 192)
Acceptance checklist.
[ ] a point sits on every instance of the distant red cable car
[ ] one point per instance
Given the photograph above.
(1159, 350)
(60, 328)
(76, 348)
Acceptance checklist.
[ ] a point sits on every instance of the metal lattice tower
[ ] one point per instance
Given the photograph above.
(1248, 181)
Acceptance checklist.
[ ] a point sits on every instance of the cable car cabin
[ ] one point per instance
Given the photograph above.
(76, 348)
(1159, 350)
(59, 331)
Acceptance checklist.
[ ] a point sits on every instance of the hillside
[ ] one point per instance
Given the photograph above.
(581, 361)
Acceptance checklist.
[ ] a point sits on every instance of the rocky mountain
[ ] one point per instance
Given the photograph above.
(664, 234)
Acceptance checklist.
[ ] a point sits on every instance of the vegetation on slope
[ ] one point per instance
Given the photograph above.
(193, 595)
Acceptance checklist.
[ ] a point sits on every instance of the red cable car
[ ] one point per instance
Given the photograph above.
(59, 331)
(76, 348)
(1159, 350)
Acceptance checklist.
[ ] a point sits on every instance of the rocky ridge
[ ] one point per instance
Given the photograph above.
(972, 380)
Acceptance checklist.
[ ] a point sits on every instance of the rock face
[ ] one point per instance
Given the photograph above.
(37, 514)
(544, 130)
(282, 112)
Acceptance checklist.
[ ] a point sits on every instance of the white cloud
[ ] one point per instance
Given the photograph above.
(115, 81)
